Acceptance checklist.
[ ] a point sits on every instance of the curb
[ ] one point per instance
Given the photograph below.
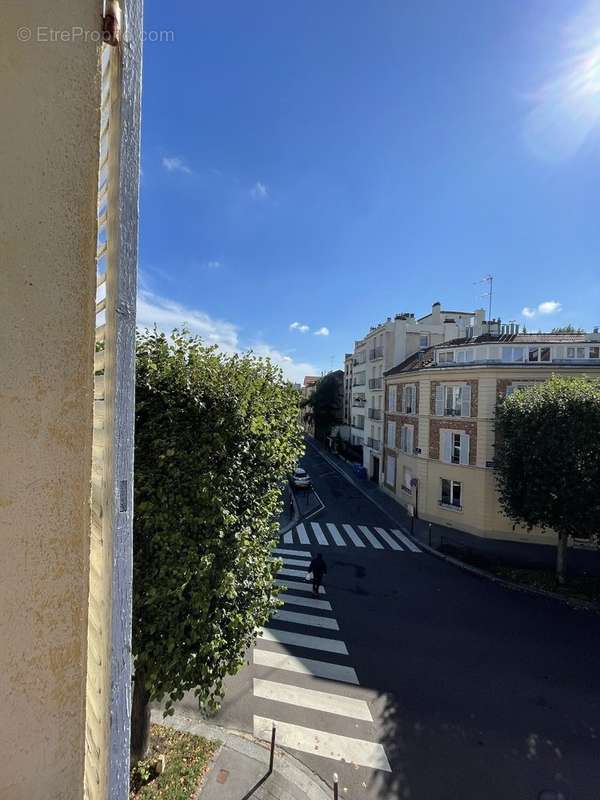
(286, 765)
(579, 605)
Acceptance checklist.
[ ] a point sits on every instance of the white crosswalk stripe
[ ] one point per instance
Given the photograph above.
(292, 562)
(305, 666)
(405, 540)
(302, 534)
(387, 538)
(294, 573)
(335, 534)
(354, 537)
(297, 586)
(281, 551)
(329, 745)
(304, 640)
(309, 698)
(319, 535)
(370, 538)
(281, 615)
(309, 602)
(288, 537)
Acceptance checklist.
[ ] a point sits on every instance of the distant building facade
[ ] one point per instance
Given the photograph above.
(439, 421)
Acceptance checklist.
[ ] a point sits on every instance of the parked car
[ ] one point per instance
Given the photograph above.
(301, 479)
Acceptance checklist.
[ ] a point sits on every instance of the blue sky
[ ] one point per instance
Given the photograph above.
(331, 164)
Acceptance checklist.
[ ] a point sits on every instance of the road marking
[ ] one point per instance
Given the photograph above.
(281, 615)
(305, 666)
(387, 538)
(294, 573)
(299, 587)
(292, 562)
(310, 602)
(302, 534)
(310, 698)
(303, 640)
(319, 535)
(376, 544)
(281, 551)
(405, 540)
(353, 535)
(337, 538)
(321, 743)
(288, 538)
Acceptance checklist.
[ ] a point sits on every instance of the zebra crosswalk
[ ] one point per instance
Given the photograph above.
(346, 535)
(313, 702)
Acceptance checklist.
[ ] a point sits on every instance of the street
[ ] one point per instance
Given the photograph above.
(413, 679)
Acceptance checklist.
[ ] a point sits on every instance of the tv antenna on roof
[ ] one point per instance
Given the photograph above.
(489, 279)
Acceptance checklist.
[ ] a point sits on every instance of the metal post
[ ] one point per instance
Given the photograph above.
(429, 533)
(272, 755)
(335, 786)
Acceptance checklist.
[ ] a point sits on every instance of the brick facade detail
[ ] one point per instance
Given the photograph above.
(400, 420)
(474, 394)
(451, 423)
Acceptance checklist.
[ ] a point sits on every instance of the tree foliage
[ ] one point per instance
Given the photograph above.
(215, 436)
(326, 403)
(567, 329)
(548, 456)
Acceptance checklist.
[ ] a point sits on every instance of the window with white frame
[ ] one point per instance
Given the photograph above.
(510, 354)
(407, 433)
(423, 341)
(594, 352)
(454, 447)
(407, 477)
(536, 353)
(409, 399)
(451, 493)
(390, 470)
(392, 390)
(576, 352)
(453, 400)
(464, 356)
(391, 434)
(446, 357)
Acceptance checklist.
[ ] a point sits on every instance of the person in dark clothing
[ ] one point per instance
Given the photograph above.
(318, 567)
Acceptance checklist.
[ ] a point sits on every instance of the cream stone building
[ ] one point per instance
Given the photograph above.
(439, 422)
(70, 81)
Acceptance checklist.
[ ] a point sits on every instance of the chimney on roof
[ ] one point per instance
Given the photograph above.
(436, 318)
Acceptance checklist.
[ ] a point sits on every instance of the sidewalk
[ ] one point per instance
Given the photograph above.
(240, 769)
(452, 541)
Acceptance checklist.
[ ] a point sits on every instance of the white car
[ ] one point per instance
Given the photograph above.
(300, 479)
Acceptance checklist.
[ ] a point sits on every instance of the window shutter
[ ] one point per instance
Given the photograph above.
(391, 434)
(392, 398)
(439, 400)
(410, 430)
(446, 446)
(465, 444)
(465, 397)
(403, 438)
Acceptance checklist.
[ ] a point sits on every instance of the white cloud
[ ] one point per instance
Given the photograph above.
(213, 264)
(168, 314)
(322, 331)
(549, 307)
(299, 326)
(259, 191)
(175, 164)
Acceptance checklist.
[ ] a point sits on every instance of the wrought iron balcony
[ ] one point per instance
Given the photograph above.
(376, 353)
(374, 413)
(375, 383)
(374, 444)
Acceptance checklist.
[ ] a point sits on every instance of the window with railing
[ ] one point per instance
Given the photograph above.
(375, 353)
(374, 444)
(360, 379)
(375, 383)
(374, 413)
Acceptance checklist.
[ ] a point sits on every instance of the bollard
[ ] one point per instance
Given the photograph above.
(335, 786)
(429, 533)
(272, 756)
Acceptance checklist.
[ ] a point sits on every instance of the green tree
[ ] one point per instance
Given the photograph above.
(325, 405)
(215, 436)
(548, 459)
(567, 329)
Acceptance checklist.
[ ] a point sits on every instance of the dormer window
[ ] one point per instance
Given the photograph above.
(446, 357)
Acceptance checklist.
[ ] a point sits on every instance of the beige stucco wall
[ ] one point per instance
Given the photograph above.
(481, 513)
(48, 163)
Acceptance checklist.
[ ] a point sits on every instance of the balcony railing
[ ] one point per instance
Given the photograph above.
(358, 403)
(374, 413)
(375, 383)
(360, 358)
(376, 353)
(374, 444)
(358, 422)
(359, 380)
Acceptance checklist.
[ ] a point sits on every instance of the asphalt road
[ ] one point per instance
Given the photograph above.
(466, 689)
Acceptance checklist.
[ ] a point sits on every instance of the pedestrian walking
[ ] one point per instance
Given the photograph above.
(318, 568)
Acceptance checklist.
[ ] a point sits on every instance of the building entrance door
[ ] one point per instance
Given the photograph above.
(375, 474)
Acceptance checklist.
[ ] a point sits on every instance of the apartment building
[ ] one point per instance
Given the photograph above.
(439, 421)
(385, 346)
(348, 365)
